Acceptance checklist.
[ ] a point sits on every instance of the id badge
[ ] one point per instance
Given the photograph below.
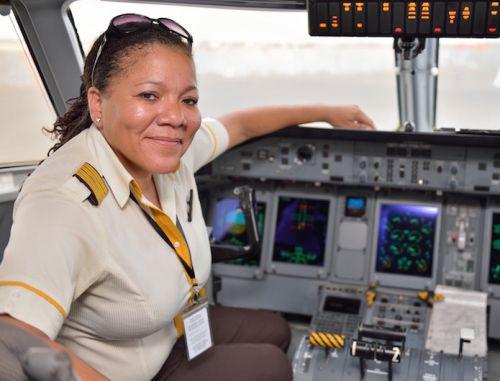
(197, 332)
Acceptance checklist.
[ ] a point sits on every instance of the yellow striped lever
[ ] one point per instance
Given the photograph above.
(327, 340)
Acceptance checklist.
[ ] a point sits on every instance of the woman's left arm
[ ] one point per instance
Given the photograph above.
(250, 123)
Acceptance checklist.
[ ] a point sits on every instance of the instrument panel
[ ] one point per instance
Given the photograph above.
(442, 163)
(404, 212)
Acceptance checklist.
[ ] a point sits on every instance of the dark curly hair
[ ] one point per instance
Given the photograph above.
(110, 62)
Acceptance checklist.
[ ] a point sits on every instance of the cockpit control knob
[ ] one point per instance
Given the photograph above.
(305, 153)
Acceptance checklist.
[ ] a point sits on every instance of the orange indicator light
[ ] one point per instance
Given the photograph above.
(452, 15)
(425, 13)
(359, 25)
(494, 13)
(494, 4)
(412, 11)
(347, 7)
(466, 13)
(322, 25)
(335, 22)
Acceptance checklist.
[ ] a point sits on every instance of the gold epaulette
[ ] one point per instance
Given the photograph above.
(89, 177)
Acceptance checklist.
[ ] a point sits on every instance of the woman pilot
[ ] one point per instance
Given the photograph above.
(103, 261)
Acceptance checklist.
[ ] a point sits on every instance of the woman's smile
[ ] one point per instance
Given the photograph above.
(165, 141)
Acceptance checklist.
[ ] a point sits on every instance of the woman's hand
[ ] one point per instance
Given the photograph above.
(348, 117)
(22, 334)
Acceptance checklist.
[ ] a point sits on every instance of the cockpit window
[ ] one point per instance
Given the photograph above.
(24, 105)
(469, 84)
(248, 58)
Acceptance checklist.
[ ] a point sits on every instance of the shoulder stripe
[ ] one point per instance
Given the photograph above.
(214, 138)
(41, 294)
(89, 176)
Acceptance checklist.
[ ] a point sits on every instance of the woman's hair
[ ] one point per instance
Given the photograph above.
(111, 61)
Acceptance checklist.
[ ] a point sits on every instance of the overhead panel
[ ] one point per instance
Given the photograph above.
(477, 19)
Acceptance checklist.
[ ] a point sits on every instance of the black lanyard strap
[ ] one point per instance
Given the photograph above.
(161, 233)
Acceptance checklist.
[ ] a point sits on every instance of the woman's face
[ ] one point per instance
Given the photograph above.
(149, 111)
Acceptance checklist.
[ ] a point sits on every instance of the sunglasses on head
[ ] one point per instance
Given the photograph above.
(131, 23)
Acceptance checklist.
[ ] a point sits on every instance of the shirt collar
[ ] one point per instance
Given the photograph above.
(113, 171)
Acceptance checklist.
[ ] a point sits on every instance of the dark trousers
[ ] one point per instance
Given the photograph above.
(249, 345)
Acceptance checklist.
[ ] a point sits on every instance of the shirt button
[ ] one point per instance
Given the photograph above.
(177, 244)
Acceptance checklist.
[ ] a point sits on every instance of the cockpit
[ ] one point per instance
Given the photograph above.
(381, 248)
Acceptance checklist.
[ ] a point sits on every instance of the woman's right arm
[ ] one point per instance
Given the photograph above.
(83, 370)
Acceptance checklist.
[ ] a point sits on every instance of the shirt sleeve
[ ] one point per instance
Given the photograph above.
(52, 257)
(209, 142)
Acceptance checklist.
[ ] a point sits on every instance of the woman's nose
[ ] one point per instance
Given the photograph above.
(172, 114)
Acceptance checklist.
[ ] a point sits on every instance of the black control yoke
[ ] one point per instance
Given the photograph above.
(223, 252)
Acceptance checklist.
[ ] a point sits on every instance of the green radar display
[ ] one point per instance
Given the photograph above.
(229, 227)
(406, 235)
(301, 226)
(494, 272)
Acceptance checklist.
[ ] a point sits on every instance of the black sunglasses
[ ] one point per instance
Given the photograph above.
(130, 23)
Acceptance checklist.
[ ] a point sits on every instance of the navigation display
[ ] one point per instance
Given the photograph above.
(494, 269)
(405, 242)
(301, 227)
(229, 227)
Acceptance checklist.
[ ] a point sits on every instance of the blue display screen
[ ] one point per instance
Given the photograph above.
(405, 242)
(301, 228)
(494, 269)
(355, 206)
(229, 227)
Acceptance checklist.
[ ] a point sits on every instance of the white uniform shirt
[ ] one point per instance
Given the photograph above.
(99, 279)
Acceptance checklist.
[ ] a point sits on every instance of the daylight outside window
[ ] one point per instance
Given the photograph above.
(24, 104)
(255, 57)
(469, 84)
(250, 58)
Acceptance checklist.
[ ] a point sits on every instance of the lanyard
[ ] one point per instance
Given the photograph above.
(189, 269)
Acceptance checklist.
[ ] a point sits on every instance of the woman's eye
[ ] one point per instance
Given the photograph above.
(191, 101)
(148, 96)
